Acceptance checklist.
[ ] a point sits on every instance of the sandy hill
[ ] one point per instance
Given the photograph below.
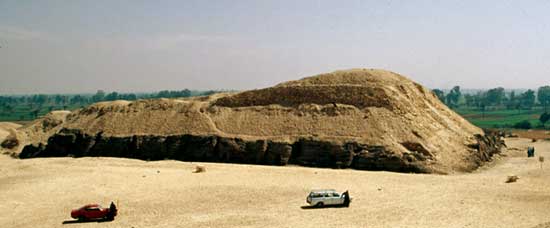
(6, 128)
(360, 118)
(34, 133)
(8, 137)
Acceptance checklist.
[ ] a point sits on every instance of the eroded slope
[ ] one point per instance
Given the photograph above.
(360, 118)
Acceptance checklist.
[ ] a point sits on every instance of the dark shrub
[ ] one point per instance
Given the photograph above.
(545, 117)
(10, 143)
(523, 125)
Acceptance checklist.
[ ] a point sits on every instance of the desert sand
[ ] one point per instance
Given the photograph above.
(41, 192)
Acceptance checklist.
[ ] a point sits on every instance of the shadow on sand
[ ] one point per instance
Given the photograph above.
(316, 207)
(85, 221)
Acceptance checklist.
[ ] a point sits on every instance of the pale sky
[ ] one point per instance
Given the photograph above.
(141, 46)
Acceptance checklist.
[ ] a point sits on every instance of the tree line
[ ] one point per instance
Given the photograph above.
(25, 107)
(496, 97)
(499, 99)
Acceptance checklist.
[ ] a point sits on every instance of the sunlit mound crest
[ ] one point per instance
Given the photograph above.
(359, 118)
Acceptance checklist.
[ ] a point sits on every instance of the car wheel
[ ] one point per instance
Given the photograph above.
(81, 218)
(320, 204)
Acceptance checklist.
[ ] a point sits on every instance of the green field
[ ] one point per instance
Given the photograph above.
(504, 118)
(25, 107)
(24, 112)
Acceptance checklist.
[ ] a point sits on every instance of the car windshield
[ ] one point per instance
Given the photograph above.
(323, 194)
(316, 195)
(91, 208)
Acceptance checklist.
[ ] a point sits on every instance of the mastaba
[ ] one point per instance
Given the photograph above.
(360, 118)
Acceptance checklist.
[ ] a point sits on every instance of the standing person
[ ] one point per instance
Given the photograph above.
(112, 211)
(346, 198)
(530, 151)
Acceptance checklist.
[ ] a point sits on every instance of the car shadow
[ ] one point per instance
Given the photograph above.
(308, 207)
(85, 221)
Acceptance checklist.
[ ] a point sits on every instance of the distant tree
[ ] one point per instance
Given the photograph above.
(78, 99)
(34, 113)
(527, 99)
(440, 94)
(41, 99)
(495, 96)
(469, 100)
(58, 99)
(172, 94)
(512, 101)
(128, 97)
(482, 105)
(187, 93)
(131, 97)
(111, 96)
(75, 99)
(99, 96)
(453, 97)
(544, 118)
(163, 94)
(477, 99)
(9, 108)
(61, 99)
(543, 95)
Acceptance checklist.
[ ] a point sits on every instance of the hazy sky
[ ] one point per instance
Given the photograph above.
(83, 46)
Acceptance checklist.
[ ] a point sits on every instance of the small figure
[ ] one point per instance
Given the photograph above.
(531, 151)
(112, 211)
(346, 199)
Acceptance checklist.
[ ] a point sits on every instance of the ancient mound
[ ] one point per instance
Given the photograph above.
(361, 118)
(34, 135)
(40, 130)
(6, 128)
(8, 137)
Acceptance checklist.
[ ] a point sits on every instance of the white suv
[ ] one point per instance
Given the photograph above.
(328, 197)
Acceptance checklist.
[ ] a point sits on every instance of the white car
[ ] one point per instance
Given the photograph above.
(328, 197)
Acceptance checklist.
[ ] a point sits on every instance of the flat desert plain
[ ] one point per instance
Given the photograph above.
(41, 193)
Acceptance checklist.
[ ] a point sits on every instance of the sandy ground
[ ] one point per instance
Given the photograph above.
(533, 134)
(41, 193)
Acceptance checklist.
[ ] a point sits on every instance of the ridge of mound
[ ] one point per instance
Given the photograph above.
(358, 87)
(359, 77)
(360, 118)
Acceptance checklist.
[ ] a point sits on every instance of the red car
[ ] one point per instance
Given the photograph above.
(95, 211)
